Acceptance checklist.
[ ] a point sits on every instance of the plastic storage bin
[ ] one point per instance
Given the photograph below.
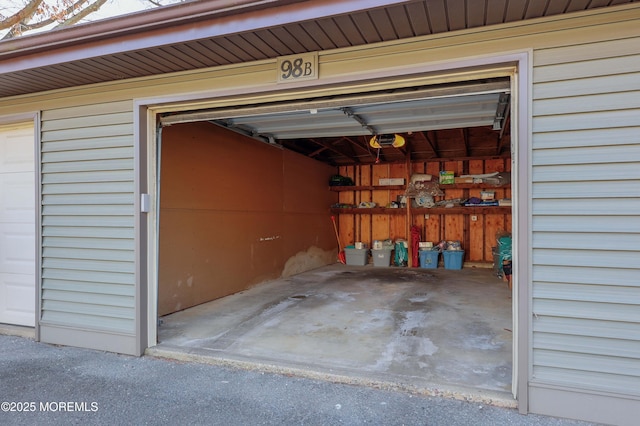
(453, 259)
(381, 257)
(356, 257)
(429, 259)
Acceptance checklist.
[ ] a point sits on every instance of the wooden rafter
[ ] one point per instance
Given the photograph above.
(465, 140)
(317, 151)
(357, 144)
(433, 142)
(330, 147)
(424, 137)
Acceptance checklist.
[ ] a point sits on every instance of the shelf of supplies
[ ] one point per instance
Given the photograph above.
(482, 210)
(374, 210)
(474, 186)
(403, 187)
(367, 188)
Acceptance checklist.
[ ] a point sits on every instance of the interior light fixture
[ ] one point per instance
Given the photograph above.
(379, 141)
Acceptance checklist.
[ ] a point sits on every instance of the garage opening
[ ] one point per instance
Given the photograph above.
(247, 251)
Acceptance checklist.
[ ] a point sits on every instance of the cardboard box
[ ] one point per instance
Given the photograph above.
(420, 177)
(487, 195)
(390, 181)
(446, 177)
(463, 180)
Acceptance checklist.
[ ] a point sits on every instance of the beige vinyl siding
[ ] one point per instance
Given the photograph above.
(88, 257)
(584, 288)
(586, 217)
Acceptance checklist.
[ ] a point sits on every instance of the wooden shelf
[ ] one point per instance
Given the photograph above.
(474, 186)
(403, 187)
(368, 188)
(374, 210)
(475, 210)
(481, 210)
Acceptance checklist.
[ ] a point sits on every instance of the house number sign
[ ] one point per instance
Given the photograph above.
(297, 67)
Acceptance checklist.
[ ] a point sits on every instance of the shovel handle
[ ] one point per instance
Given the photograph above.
(335, 228)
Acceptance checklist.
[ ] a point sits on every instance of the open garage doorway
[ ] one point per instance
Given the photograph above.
(247, 256)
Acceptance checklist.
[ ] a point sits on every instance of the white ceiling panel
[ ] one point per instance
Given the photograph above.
(379, 118)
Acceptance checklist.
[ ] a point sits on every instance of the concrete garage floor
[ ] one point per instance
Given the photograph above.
(433, 331)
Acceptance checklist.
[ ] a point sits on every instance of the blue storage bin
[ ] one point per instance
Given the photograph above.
(453, 259)
(429, 259)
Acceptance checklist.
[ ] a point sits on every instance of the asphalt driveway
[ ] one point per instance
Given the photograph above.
(50, 385)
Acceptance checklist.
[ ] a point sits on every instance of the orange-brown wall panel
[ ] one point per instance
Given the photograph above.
(233, 211)
(307, 219)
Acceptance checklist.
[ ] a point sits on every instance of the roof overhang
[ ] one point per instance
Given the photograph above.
(209, 33)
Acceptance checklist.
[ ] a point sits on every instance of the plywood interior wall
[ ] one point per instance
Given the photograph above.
(477, 237)
(233, 210)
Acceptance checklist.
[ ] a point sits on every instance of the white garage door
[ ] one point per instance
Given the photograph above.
(17, 225)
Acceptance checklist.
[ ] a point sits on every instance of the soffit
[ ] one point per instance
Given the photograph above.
(211, 33)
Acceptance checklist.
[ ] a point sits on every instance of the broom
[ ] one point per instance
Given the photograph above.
(341, 255)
